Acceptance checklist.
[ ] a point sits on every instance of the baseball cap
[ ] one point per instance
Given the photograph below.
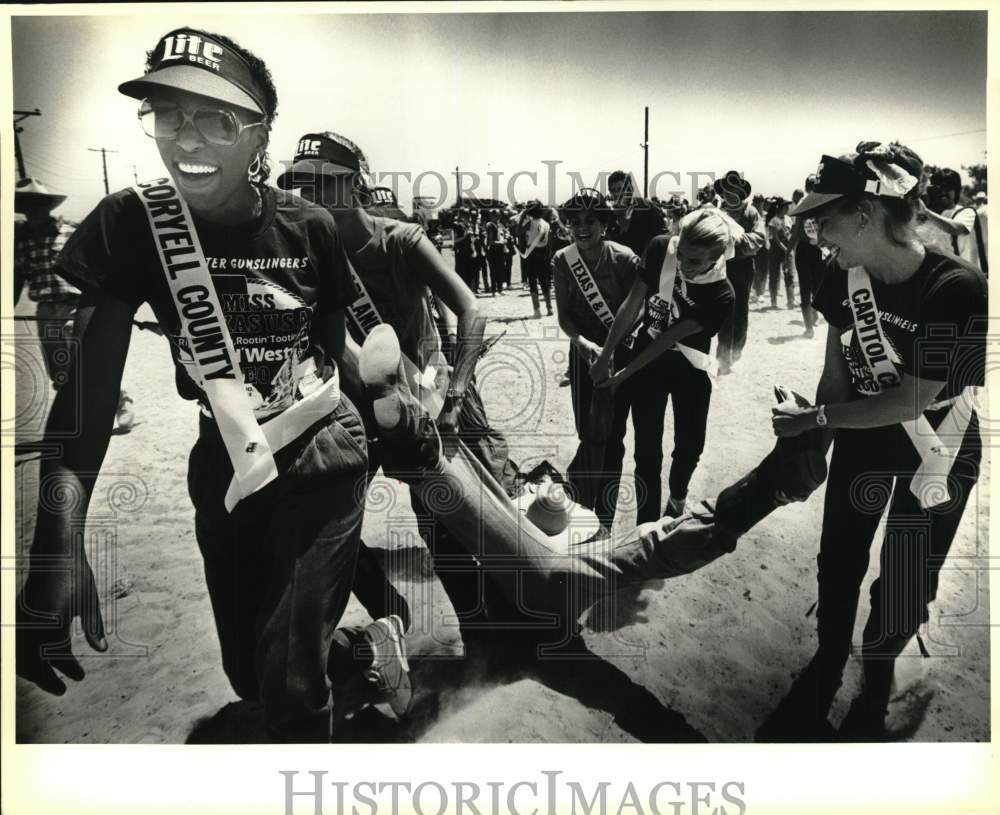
(198, 63)
(836, 178)
(325, 153)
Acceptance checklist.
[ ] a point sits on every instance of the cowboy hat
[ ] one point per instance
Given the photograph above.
(32, 191)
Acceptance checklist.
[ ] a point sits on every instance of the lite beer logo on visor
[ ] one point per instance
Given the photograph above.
(194, 49)
(308, 148)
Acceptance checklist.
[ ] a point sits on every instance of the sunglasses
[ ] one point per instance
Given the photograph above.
(164, 121)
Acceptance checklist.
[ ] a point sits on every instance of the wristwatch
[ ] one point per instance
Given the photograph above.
(821, 416)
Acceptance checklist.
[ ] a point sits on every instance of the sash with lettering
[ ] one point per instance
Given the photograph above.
(930, 482)
(588, 288)
(203, 325)
(428, 384)
(668, 272)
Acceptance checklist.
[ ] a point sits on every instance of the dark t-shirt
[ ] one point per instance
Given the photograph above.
(935, 323)
(645, 223)
(274, 277)
(614, 275)
(401, 296)
(464, 249)
(707, 303)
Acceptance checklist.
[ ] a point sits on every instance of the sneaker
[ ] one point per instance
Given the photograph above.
(550, 311)
(724, 368)
(389, 670)
(675, 507)
(810, 333)
(564, 381)
(537, 315)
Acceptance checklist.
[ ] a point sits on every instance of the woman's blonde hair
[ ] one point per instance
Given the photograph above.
(705, 227)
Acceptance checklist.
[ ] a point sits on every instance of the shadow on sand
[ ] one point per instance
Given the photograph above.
(571, 669)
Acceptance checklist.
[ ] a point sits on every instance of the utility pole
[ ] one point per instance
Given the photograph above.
(22, 115)
(104, 163)
(135, 175)
(458, 188)
(645, 158)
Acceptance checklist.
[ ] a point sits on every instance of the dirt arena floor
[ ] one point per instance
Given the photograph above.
(703, 657)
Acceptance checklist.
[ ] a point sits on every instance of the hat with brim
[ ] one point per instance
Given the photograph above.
(732, 188)
(190, 80)
(836, 178)
(32, 192)
(325, 153)
(195, 62)
(308, 170)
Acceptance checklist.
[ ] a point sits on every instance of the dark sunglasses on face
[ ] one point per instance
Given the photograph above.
(164, 121)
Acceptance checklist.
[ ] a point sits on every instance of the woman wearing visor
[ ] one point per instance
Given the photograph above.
(401, 280)
(905, 349)
(249, 285)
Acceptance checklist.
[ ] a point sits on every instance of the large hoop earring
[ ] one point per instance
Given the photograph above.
(254, 170)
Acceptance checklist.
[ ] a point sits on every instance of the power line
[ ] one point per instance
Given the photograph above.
(48, 170)
(66, 166)
(949, 135)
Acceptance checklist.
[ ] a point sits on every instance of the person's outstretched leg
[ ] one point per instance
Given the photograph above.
(849, 523)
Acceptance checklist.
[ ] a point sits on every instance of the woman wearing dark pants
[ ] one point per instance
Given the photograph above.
(405, 282)
(689, 391)
(906, 347)
(275, 473)
(593, 263)
(684, 296)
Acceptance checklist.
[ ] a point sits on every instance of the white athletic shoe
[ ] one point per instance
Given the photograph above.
(389, 669)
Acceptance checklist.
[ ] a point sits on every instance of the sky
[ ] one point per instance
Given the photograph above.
(553, 94)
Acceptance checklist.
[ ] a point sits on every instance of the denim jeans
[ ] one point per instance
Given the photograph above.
(280, 568)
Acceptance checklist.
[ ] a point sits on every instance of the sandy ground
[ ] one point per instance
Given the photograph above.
(704, 657)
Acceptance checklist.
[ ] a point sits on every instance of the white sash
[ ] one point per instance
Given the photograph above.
(588, 288)
(668, 273)
(288, 425)
(930, 482)
(429, 384)
(203, 325)
(535, 243)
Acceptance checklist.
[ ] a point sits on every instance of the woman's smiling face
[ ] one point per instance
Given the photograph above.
(840, 233)
(207, 175)
(587, 229)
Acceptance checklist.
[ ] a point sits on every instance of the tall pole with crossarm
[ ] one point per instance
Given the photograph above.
(21, 116)
(104, 164)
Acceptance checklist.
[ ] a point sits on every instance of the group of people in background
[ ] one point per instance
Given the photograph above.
(641, 287)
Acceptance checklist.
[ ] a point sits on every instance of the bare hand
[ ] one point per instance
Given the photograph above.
(600, 371)
(43, 643)
(788, 419)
